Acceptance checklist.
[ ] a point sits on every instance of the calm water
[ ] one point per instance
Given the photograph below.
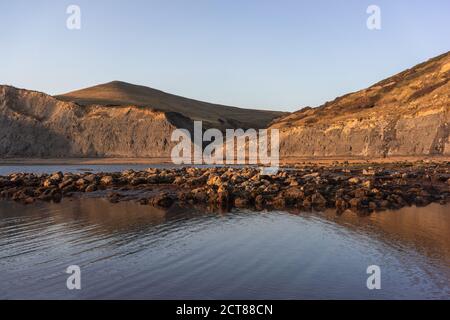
(81, 168)
(126, 250)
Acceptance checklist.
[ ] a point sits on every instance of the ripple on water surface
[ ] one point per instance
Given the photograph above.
(126, 250)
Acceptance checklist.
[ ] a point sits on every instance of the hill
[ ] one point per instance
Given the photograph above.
(406, 114)
(213, 115)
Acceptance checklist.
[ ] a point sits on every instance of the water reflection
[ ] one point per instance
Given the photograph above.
(127, 250)
(425, 229)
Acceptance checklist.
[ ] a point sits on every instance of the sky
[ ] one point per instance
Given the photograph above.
(280, 55)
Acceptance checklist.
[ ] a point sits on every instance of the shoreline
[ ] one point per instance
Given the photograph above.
(284, 161)
(360, 187)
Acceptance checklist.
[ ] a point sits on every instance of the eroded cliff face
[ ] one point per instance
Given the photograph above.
(33, 124)
(407, 114)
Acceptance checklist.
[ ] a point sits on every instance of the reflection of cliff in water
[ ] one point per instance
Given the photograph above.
(130, 250)
(425, 230)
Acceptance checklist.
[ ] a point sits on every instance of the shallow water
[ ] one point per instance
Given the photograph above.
(126, 250)
(77, 168)
(6, 169)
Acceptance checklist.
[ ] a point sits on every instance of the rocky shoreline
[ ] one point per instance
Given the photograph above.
(362, 188)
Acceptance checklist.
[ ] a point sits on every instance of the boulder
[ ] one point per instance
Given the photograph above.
(354, 180)
(318, 200)
(163, 200)
(91, 188)
(107, 180)
(214, 181)
(241, 202)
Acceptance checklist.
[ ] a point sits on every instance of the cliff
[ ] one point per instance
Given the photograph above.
(407, 114)
(33, 124)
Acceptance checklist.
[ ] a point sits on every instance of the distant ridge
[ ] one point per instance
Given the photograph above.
(214, 115)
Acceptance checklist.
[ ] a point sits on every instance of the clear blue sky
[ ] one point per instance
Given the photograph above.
(250, 53)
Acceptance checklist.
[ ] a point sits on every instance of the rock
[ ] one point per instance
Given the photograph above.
(69, 188)
(384, 204)
(138, 181)
(143, 201)
(293, 195)
(318, 200)
(162, 200)
(197, 182)
(179, 180)
(243, 187)
(19, 195)
(311, 175)
(355, 202)
(152, 170)
(57, 176)
(279, 202)
(241, 203)
(235, 178)
(223, 196)
(65, 183)
(151, 179)
(199, 195)
(341, 204)
(397, 199)
(184, 196)
(421, 201)
(272, 188)
(81, 182)
(360, 193)
(372, 205)
(46, 195)
(128, 173)
(214, 181)
(57, 197)
(367, 184)
(260, 201)
(354, 180)
(8, 192)
(29, 200)
(91, 178)
(19, 180)
(114, 197)
(368, 172)
(375, 191)
(91, 188)
(409, 175)
(307, 203)
(212, 196)
(49, 182)
(107, 180)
